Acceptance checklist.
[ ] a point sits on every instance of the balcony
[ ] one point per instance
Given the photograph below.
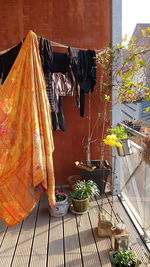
(72, 240)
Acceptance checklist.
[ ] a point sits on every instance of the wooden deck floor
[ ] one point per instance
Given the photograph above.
(44, 241)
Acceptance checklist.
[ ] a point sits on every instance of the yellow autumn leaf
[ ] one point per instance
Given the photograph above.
(107, 97)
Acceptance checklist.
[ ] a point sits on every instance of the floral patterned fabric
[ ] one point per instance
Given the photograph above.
(26, 143)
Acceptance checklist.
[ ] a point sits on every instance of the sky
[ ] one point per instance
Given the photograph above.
(134, 11)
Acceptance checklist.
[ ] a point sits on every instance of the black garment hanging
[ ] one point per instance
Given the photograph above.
(60, 62)
(45, 54)
(53, 62)
(0, 66)
(84, 67)
(8, 59)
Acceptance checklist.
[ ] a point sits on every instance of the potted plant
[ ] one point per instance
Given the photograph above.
(82, 192)
(97, 171)
(124, 258)
(119, 138)
(135, 125)
(61, 206)
(122, 74)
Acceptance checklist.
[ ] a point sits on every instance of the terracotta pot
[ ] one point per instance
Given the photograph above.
(80, 205)
(72, 180)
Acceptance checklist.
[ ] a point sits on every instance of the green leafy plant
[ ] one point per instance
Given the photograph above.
(126, 258)
(84, 189)
(119, 131)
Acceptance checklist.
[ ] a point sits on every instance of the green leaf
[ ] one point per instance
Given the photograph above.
(127, 60)
(147, 110)
(142, 63)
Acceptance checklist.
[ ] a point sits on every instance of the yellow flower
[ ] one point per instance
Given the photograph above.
(111, 137)
(118, 144)
(111, 140)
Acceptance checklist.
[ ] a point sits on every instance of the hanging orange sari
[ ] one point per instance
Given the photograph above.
(26, 143)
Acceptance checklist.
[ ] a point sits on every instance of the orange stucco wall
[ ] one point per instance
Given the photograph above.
(85, 24)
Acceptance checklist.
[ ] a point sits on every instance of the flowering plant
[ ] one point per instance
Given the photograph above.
(59, 196)
(117, 133)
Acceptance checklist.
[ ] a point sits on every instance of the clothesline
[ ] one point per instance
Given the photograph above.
(100, 51)
(6, 50)
(65, 46)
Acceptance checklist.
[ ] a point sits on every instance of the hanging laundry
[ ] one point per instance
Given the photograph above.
(0, 66)
(45, 53)
(60, 62)
(53, 62)
(26, 164)
(83, 64)
(7, 60)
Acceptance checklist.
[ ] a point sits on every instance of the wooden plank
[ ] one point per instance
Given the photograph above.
(3, 230)
(56, 248)
(87, 241)
(71, 241)
(22, 253)
(39, 248)
(72, 246)
(103, 244)
(8, 246)
(3, 227)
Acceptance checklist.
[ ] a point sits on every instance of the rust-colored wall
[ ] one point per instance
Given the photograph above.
(85, 24)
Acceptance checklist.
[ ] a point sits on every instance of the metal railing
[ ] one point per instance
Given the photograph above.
(135, 187)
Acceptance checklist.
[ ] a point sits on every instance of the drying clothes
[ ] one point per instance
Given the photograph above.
(45, 54)
(74, 60)
(60, 62)
(56, 105)
(0, 66)
(52, 97)
(52, 61)
(7, 60)
(58, 119)
(58, 85)
(63, 84)
(86, 71)
(83, 64)
(26, 164)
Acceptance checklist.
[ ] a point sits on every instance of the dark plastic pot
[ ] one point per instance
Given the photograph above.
(98, 175)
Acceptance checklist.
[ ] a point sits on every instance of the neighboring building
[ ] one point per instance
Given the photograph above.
(136, 110)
